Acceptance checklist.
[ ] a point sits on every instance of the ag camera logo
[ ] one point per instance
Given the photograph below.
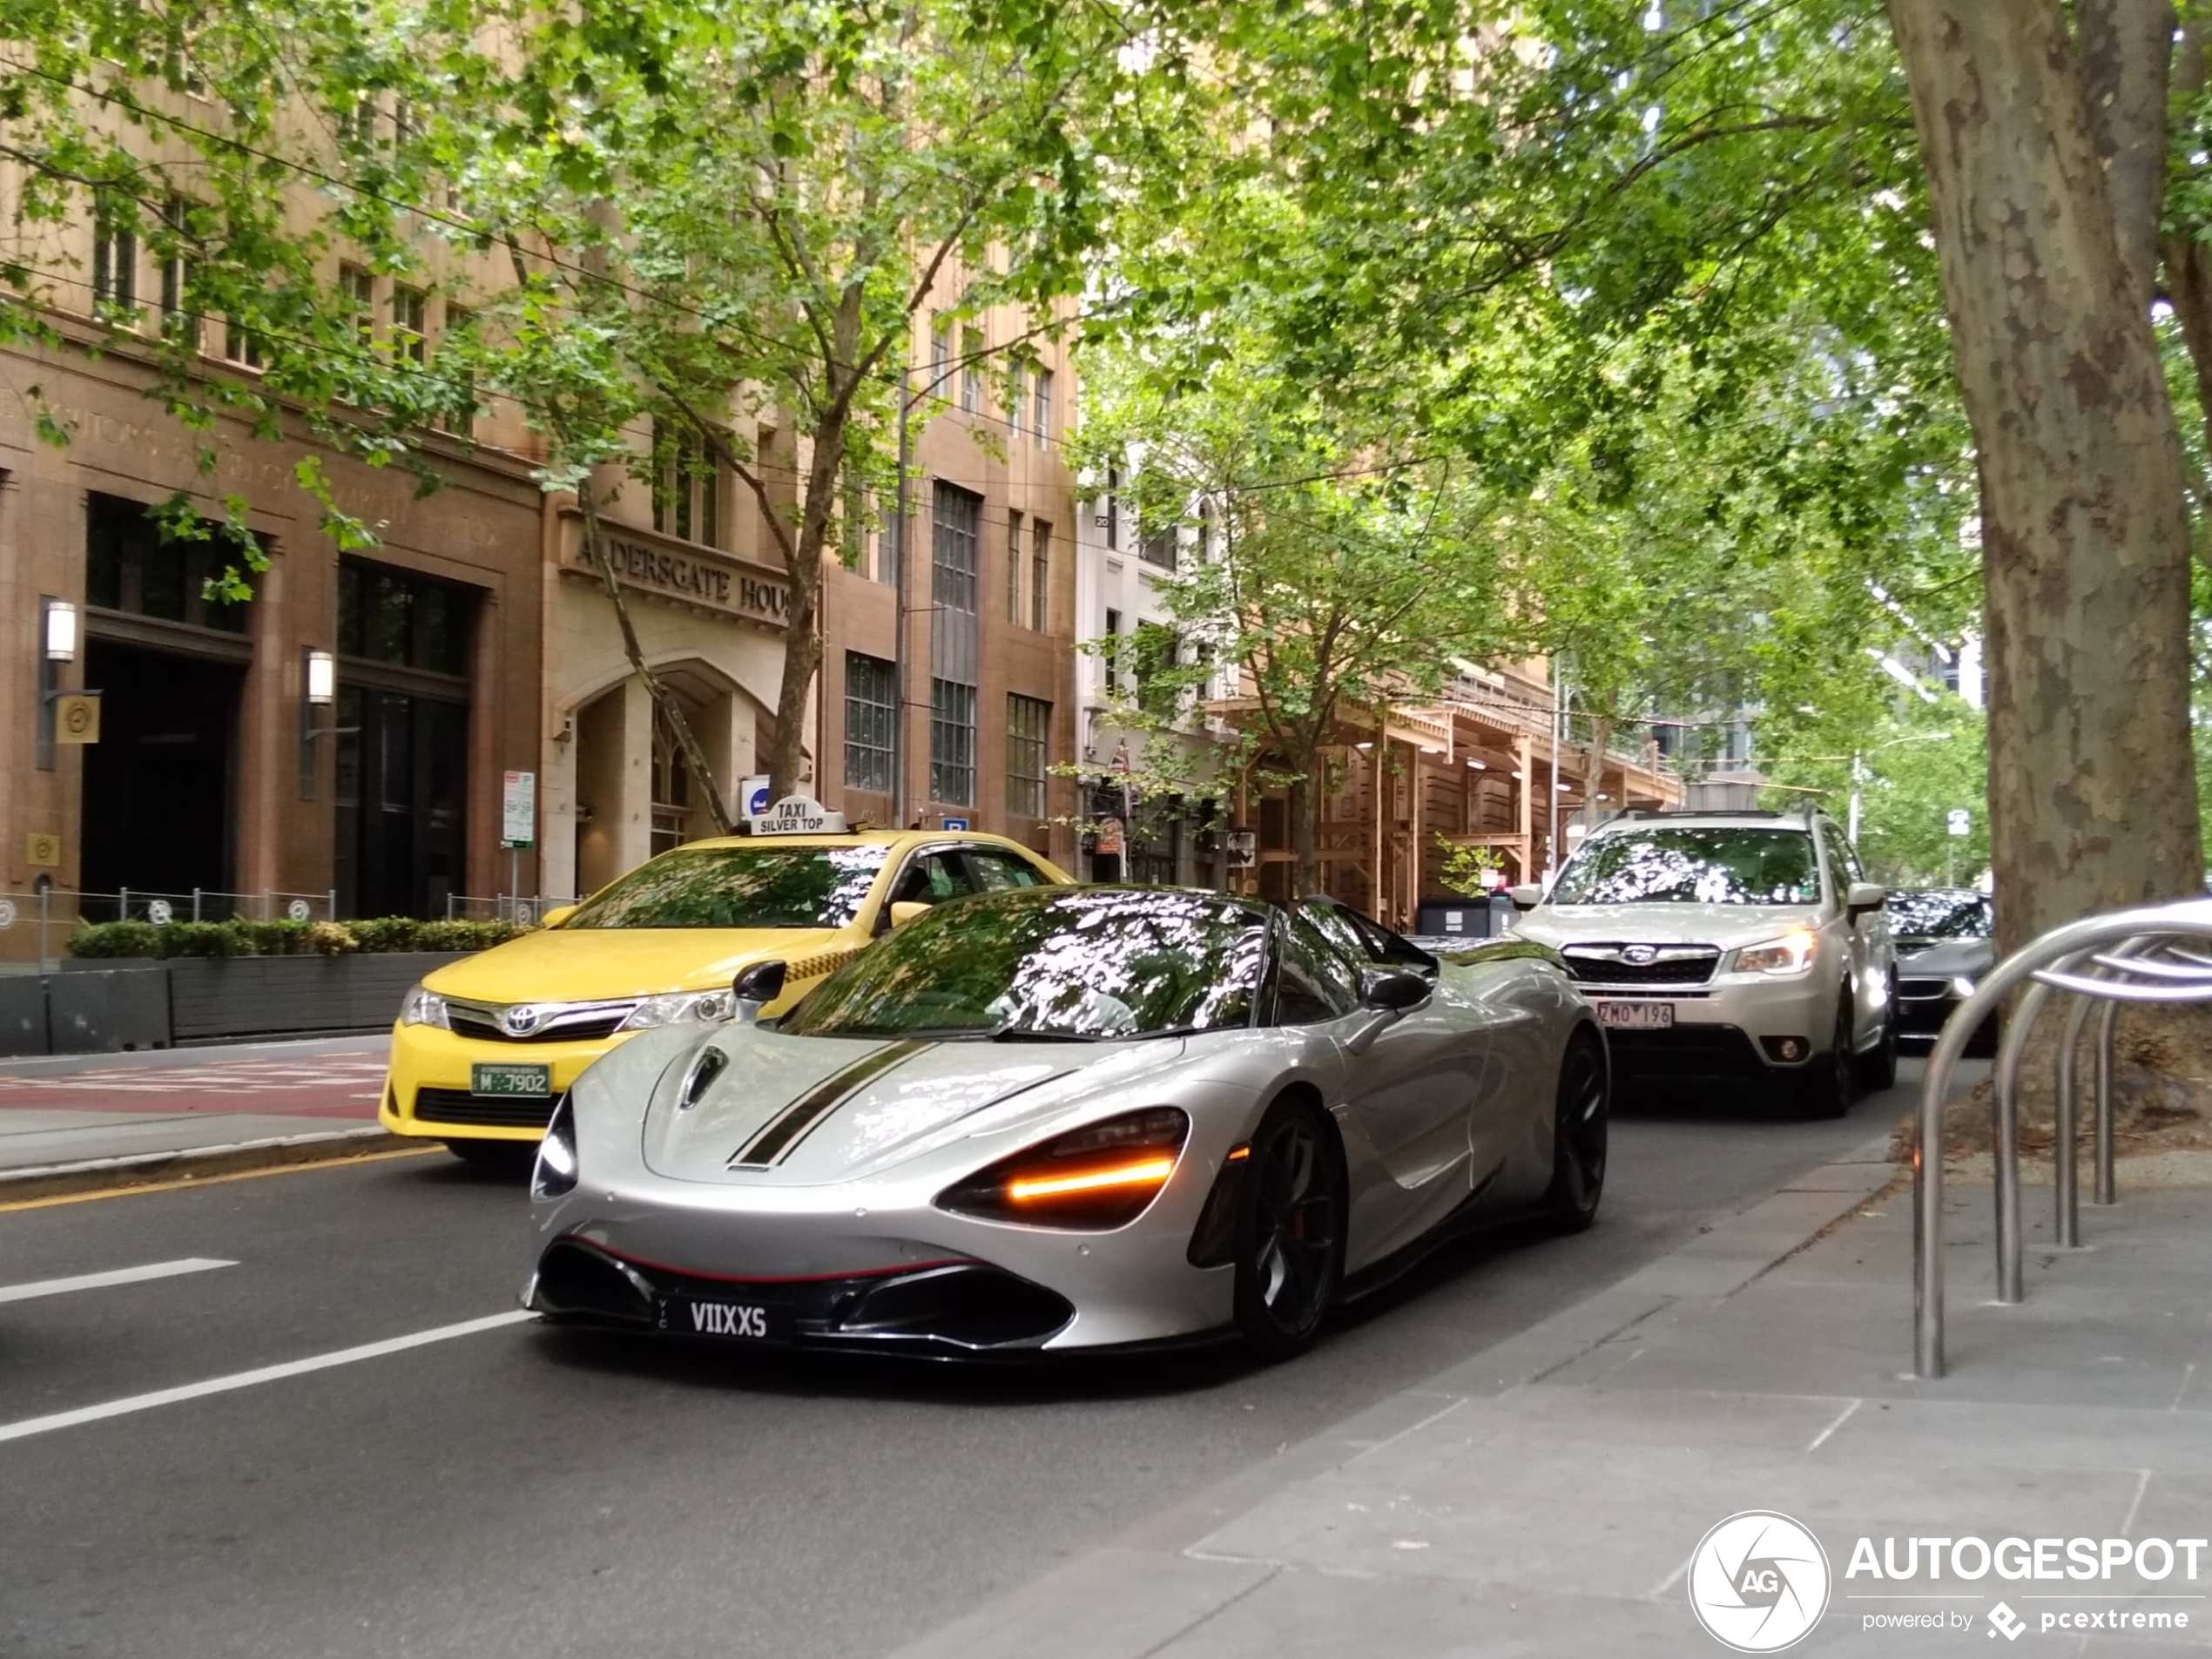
(1758, 1581)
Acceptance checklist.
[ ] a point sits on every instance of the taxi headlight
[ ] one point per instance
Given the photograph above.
(423, 1007)
(680, 1008)
(1791, 954)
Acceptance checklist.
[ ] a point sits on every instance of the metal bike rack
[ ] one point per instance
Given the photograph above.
(2132, 956)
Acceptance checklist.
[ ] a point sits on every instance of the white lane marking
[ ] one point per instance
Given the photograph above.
(124, 1407)
(99, 1281)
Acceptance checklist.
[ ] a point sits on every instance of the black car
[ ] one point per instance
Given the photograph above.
(1946, 944)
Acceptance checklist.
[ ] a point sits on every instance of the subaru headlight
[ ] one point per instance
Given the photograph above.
(680, 1008)
(424, 1007)
(1791, 954)
(1962, 988)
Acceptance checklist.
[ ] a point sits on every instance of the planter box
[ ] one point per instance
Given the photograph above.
(240, 996)
(99, 1012)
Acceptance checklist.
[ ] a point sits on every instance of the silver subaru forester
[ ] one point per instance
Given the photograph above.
(1742, 944)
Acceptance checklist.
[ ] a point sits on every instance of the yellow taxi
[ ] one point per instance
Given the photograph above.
(484, 1046)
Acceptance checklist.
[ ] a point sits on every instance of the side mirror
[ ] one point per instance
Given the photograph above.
(1527, 896)
(1866, 897)
(556, 915)
(1394, 993)
(756, 987)
(906, 910)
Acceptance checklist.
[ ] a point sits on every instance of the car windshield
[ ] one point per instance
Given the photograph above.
(1688, 865)
(1933, 914)
(738, 887)
(1041, 963)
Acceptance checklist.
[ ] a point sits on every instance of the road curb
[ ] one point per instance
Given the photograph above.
(193, 1164)
(1157, 1576)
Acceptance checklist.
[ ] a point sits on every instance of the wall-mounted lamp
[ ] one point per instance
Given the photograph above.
(321, 678)
(318, 690)
(60, 631)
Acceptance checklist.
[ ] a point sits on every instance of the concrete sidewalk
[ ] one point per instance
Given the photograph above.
(1545, 1497)
(85, 1113)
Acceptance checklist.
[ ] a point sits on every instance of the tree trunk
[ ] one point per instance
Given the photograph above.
(2085, 530)
(671, 710)
(1306, 823)
(1593, 767)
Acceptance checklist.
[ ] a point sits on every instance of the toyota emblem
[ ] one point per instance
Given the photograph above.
(520, 1020)
(1639, 953)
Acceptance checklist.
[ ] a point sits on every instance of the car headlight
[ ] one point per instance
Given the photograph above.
(1791, 954)
(1091, 1179)
(423, 1007)
(1962, 988)
(555, 1169)
(679, 1008)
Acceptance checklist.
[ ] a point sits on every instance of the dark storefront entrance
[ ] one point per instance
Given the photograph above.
(160, 783)
(403, 748)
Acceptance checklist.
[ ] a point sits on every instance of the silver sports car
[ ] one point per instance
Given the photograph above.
(1064, 1118)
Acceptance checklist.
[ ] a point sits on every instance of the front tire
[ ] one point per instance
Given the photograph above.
(1290, 1229)
(1823, 1088)
(1578, 1126)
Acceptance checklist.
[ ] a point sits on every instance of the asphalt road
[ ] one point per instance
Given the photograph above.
(518, 1491)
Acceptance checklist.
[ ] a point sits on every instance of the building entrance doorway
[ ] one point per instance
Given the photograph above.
(161, 784)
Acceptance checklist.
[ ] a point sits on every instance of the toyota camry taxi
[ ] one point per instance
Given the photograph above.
(485, 1046)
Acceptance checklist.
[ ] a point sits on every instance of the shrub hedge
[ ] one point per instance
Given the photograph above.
(241, 937)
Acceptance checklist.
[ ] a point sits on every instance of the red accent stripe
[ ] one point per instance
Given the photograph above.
(769, 1279)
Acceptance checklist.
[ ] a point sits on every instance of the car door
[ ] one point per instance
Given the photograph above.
(1406, 1105)
(1866, 937)
(930, 875)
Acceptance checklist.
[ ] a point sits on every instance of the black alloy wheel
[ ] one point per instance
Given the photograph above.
(1290, 1227)
(1876, 1068)
(1823, 1088)
(1579, 1134)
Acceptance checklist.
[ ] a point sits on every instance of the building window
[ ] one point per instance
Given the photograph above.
(407, 317)
(959, 522)
(356, 287)
(952, 742)
(1014, 568)
(1041, 396)
(940, 355)
(671, 788)
(1156, 548)
(460, 331)
(1111, 651)
(134, 562)
(1113, 507)
(871, 709)
(241, 345)
(1040, 573)
(971, 372)
(177, 275)
(115, 260)
(1017, 380)
(687, 486)
(388, 615)
(1027, 721)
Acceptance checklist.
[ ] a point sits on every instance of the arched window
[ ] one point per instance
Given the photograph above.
(672, 787)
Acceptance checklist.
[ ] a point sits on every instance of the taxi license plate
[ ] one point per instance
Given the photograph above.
(1637, 1017)
(684, 1316)
(507, 1077)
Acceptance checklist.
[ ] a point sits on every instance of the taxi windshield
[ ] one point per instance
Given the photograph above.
(1042, 964)
(738, 887)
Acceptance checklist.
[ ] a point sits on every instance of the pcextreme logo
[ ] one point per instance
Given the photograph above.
(1758, 1581)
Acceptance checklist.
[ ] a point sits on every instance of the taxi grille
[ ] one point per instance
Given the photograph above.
(582, 1025)
(458, 1106)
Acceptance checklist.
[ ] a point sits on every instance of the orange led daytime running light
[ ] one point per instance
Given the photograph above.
(1150, 1172)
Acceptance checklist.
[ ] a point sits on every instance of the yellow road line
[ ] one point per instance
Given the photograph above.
(211, 1180)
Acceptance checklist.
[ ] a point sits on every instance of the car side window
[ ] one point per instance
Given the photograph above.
(1832, 849)
(1311, 982)
(995, 872)
(932, 877)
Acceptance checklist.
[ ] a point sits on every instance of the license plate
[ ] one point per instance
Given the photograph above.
(684, 1316)
(507, 1077)
(1637, 1017)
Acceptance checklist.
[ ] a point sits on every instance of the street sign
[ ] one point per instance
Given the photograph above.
(159, 911)
(799, 815)
(77, 717)
(1960, 820)
(1244, 849)
(955, 823)
(7, 914)
(299, 910)
(518, 810)
(752, 792)
(42, 851)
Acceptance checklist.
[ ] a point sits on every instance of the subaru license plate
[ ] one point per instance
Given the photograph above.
(1637, 1017)
(509, 1078)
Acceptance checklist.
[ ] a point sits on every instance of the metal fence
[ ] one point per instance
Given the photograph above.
(523, 907)
(2157, 955)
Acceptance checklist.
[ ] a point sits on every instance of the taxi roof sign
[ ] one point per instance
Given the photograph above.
(799, 815)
